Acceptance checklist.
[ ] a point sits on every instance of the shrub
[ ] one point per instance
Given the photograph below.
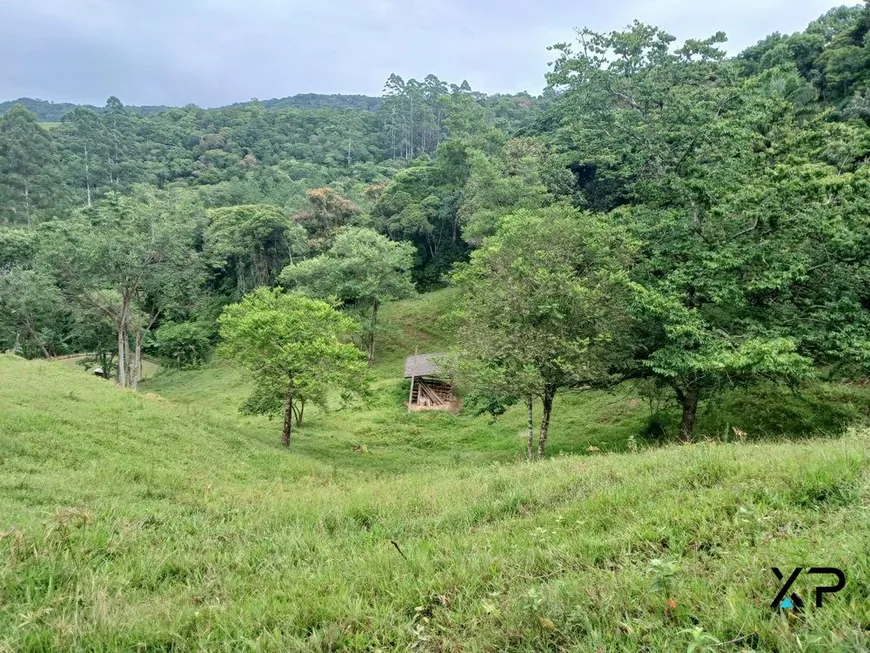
(183, 345)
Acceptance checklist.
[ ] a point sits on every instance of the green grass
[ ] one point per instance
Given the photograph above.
(410, 325)
(149, 368)
(164, 520)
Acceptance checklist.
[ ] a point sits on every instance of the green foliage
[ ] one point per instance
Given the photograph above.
(327, 213)
(32, 313)
(524, 176)
(17, 247)
(123, 262)
(182, 346)
(721, 183)
(832, 54)
(362, 270)
(30, 185)
(247, 246)
(541, 311)
(422, 205)
(292, 347)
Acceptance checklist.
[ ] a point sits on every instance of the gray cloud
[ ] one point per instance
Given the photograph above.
(214, 52)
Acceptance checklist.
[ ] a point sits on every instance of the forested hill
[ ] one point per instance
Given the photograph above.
(47, 111)
(322, 101)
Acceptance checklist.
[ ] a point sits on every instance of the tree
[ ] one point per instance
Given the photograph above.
(327, 213)
(17, 247)
(362, 269)
(29, 177)
(523, 176)
(181, 345)
(542, 310)
(108, 255)
(32, 313)
(421, 204)
(84, 135)
(247, 246)
(120, 134)
(293, 349)
(683, 153)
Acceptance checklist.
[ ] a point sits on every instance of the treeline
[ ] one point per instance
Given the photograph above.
(662, 213)
(48, 112)
(235, 154)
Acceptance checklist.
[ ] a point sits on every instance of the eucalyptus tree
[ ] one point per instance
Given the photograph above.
(30, 183)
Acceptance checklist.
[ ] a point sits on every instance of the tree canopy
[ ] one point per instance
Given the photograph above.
(362, 269)
(541, 310)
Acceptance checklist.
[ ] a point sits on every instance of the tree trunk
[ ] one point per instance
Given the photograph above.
(122, 344)
(288, 419)
(136, 375)
(34, 334)
(371, 342)
(545, 420)
(530, 432)
(27, 200)
(87, 175)
(689, 404)
(299, 411)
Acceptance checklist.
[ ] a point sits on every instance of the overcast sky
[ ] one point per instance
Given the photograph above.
(215, 52)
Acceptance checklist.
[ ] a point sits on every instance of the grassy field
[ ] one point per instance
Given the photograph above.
(166, 521)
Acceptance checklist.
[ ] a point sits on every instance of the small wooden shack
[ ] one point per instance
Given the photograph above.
(430, 390)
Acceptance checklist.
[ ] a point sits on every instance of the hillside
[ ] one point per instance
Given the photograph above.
(50, 112)
(169, 521)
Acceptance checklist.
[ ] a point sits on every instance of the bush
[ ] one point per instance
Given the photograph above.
(182, 346)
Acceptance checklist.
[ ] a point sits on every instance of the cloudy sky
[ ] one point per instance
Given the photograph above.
(214, 52)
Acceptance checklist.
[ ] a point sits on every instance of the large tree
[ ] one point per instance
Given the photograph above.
(32, 313)
(110, 256)
(294, 350)
(327, 213)
(247, 246)
(362, 269)
(543, 310)
(690, 158)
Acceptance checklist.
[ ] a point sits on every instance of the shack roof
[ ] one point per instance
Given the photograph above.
(423, 365)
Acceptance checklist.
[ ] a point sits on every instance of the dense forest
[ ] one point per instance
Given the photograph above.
(47, 111)
(662, 212)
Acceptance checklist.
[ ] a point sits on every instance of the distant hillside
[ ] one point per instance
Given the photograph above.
(318, 101)
(47, 111)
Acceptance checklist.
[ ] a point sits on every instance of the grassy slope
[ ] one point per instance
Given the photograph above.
(149, 368)
(603, 420)
(133, 520)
